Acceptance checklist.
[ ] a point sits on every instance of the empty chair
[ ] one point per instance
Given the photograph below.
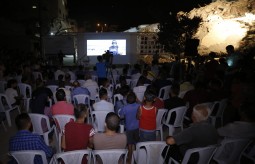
(41, 125)
(216, 116)
(149, 152)
(159, 120)
(6, 107)
(3, 86)
(174, 122)
(204, 155)
(164, 92)
(27, 156)
(26, 91)
(230, 150)
(75, 157)
(98, 120)
(110, 156)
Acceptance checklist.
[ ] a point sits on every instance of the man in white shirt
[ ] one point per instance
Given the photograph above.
(103, 104)
(89, 81)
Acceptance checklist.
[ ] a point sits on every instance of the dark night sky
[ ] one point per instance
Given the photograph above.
(127, 13)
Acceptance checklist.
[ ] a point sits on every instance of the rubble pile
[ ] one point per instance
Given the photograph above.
(225, 22)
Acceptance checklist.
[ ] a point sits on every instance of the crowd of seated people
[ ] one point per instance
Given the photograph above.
(234, 83)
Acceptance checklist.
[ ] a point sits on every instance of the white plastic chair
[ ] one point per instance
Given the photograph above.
(110, 156)
(41, 126)
(178, 121)
(94, 92)
(159, 120)
(133, 83)
(148, 152)
(248, 153)
(27, 156)
(60, 122)
(98, 120)
(6, 107)
(216, 116)
(26, 91)
(74, 157)
(53, 88)
(205, 155)
(68, 87)
(81, 99)
(230, 150)
(117, 97)
(164, 92)
(139, 92)
(38, 75)
(3, 86)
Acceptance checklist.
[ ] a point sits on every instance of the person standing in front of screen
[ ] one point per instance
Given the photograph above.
(101, 68)
(114, 48)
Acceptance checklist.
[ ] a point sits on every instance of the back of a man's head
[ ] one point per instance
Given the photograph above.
(60, 95)
(80, 111)
(22, 121)
(112, 121)
(200, 113)
(102, 93)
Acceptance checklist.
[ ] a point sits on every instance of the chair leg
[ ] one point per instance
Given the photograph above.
(8, 118)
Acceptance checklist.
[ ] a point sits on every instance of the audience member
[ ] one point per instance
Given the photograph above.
(174, 101)
(26, 140)
(77, 89)
(199, 134)
(110, 139)
(61, 106)
(89, 81)
(12, 93)
(128, 112)
(77, 134)
(103, 104)
(40, 98)
(147, 118)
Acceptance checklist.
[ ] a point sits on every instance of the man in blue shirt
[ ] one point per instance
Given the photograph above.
(25, 140)
(101, 69)
(77, 89)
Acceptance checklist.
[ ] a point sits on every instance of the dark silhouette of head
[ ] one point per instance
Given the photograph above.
(112, 121)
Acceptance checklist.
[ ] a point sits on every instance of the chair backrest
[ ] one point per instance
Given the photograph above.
(27, 156)
(149, 152)
(81, 82)
(218, 110)
(3, 86)
(164, 92)
(61, 120)
(205, 154)
(139, 92)
(133, 83)
(75, 156)
(160, 115)
(68, 87)
(98, 120)
(40, 122)
(37, 75)
(25, 90)
(230, 150)
(112, 156)
(180, 113)
(81, 99)
(94, 91)
(53, 88)
(4, 103)
(117, 97)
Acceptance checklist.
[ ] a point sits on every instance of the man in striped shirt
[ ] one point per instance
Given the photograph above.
(25, 140)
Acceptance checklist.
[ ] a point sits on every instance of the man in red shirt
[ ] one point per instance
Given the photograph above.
(61, 106)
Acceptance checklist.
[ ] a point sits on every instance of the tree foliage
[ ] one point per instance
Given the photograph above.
(174, 31)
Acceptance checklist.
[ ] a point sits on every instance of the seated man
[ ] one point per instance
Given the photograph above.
(25, 140)
(110, 139)
(61, 106)
(78, 135)
(77, 89)
(199, 134)
(103, 104)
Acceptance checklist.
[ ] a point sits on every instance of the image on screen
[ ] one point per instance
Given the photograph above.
(99, 47)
